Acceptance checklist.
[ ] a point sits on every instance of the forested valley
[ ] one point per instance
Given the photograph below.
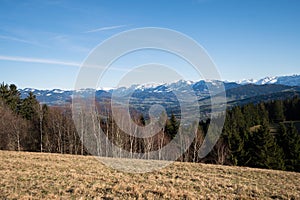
(263, 135)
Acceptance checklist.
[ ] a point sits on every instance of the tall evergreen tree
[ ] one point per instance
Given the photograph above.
(142, 120)
(29, 110)
(29, 107)
(276, 111)
(233, 135)
(11, 96)
(263, 113)
(263, 152)
(289, 140)
(172, 126)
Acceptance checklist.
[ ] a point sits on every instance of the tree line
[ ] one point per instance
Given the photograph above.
(264, 135)
(27, 125)
(260, 135)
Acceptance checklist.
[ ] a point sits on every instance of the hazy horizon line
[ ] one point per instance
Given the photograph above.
(107, 88)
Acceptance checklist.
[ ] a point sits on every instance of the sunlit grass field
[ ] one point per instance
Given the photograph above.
(53, 176)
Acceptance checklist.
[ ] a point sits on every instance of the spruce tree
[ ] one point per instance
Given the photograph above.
(10, 96)
(29, 107)
(289, 139)
(29, 110)
(233, 134)
(172, 126)
(263, 152)
(276, 111)
(142, 120)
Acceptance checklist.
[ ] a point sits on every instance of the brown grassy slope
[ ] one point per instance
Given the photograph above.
(53, 176)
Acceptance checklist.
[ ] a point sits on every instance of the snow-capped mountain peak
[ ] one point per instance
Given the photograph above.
(201, 88)
(247, 81)
(29, 89)
(148, 85)
(58, 91)
(293, 80)
(267, 80)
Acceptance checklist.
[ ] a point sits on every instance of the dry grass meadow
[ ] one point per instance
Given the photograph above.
(52, 176)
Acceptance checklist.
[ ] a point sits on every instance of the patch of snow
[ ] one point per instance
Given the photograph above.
(148, 86)
(29, 90)
(57, 91)
(267, 80)
(106, 88)
(247, 81)
(190, 82)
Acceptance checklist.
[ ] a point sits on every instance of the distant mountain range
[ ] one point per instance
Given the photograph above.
(293, 80)
(143, 96)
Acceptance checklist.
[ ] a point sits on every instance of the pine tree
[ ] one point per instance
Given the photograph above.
(234, 136)
(10, 96)
(289, 140)
(29, 110)
(142, 120)
(276, 111)
(172, 126)
(263, 114)
(29, 107)
(281, 135)
(251, 115)
(263, 152)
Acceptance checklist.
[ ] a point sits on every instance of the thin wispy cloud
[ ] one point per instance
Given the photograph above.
(53, 62)
(15, 39)
(39, 60)
(60, 37)
(105, 28)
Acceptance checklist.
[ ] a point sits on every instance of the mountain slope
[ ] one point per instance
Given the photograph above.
(143, 96)
(293, 80)
(56, 176)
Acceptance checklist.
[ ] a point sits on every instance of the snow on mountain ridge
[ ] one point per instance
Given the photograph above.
(267, 80)
(293, 80)
(247, 81)
(58, 91)
(148, 85)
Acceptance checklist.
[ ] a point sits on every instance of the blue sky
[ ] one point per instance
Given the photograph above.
(43, 43)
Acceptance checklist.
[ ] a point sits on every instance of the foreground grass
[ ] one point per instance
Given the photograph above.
(53, 176)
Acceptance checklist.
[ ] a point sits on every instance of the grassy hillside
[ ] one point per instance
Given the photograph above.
(53, 176)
